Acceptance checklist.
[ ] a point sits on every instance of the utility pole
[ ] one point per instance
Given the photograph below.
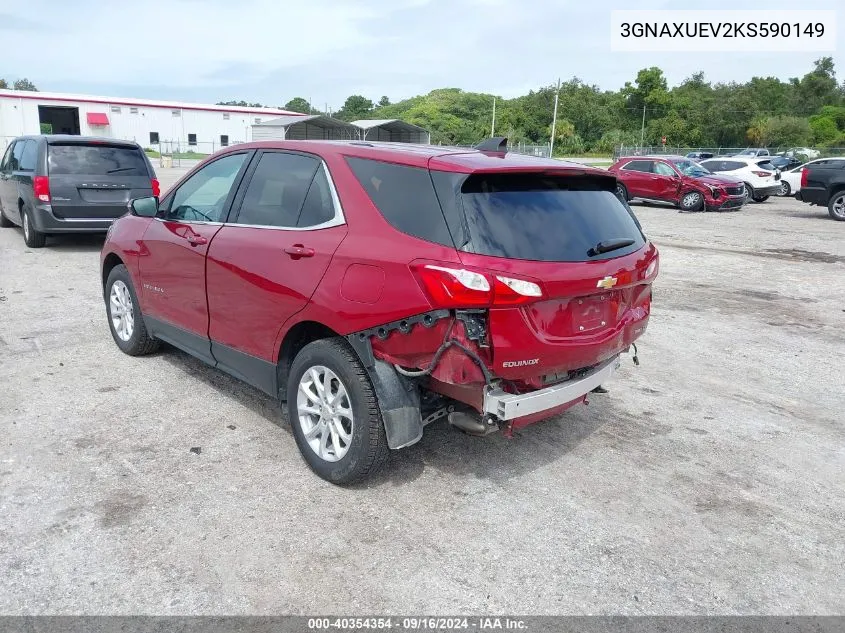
(493, 125)
(554, 121)
(642, 129)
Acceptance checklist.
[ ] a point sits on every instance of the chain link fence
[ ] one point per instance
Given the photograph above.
(805, 153)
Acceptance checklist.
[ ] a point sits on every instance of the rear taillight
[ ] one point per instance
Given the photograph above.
(651, 270)
(156, 187)
(761, 174)
(805, 175)
(453, 287)
(41, 188)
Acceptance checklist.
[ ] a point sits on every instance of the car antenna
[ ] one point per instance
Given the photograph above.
(497, 144)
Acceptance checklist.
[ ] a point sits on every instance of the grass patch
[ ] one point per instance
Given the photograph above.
(152, 153)
(190, 155)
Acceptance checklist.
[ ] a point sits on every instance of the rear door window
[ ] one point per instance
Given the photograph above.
(277, 190)
(96, 160)
(638, 165)
(546, 218)
(406, 198)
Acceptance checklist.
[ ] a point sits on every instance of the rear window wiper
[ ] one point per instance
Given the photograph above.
(609, 245)
(114, 171)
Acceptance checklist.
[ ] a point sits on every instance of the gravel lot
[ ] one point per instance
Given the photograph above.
(710, 480)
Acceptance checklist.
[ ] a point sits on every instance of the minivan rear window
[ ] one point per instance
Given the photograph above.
(546, 218)
(96, 160)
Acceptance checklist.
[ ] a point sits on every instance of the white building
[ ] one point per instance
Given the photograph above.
(162, 125)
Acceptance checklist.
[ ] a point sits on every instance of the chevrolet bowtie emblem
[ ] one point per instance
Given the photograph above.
(607, 282)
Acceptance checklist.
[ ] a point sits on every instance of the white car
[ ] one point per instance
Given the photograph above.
(761, 178)
(753, 153)
(802, 151)
(790, 182)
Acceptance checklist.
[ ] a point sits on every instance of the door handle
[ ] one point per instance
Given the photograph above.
(196, 240)
(298, 250)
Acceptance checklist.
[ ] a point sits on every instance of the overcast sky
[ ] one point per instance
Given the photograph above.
(324, 50)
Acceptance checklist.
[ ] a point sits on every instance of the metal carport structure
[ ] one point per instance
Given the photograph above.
(392, 130)
(304, 128)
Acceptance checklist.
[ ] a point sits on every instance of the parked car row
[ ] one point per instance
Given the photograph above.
(374, 288)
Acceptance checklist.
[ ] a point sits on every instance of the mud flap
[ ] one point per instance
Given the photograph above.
(398, 398)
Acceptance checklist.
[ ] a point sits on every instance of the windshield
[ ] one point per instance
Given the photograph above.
(689, 168)
(545, 218)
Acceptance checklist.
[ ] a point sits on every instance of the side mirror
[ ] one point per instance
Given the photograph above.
(144, 207)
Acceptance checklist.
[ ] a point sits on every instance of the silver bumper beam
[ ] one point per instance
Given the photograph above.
(507, 406)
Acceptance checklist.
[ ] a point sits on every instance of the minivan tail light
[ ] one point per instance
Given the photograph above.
(156, 187)
(805, 177)
(41, 188)
(453, 287)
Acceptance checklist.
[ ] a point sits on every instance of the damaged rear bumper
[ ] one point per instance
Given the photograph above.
(509, 406)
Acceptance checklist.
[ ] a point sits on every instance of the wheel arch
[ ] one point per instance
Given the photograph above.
(110, 262)
(297, 337)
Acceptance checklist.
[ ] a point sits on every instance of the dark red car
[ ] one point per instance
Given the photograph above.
(378, 287)
(679, 181)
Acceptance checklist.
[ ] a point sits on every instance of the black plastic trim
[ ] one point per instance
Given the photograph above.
(257, 372)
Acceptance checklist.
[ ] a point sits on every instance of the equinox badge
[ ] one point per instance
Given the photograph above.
(607, 282)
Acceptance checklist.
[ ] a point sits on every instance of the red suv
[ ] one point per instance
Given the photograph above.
(677, 180)
(376, 288)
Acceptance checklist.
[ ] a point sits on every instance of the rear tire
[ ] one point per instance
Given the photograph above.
(785, 189)
(124, 314)
(836, 206)
(31, 237)
(760, 198)
(339, 430)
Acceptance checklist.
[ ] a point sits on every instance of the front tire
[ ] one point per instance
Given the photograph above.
(124, 313)
(836, 206)
(785, 189)
(622, 192)
(691, 201)
(334, 413)
(31, 237)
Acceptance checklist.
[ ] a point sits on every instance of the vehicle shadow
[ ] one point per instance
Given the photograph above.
(494, 458)
(442, 448)
(256, 401)
(83, 243)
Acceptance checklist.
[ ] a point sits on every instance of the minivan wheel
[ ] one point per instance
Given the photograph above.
(124, 313)
(836, 206)
(785, 189)
(692, 201)
(31, 237)
(622, 192)
(334, 413)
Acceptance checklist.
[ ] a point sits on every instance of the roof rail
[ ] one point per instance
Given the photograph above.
(494, 144)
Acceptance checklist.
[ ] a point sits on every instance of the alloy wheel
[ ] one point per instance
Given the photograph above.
(837, 207)
(691, 200)
(325, 413)
(784, 188)
(121, 310)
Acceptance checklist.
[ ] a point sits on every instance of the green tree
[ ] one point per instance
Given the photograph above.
(354, 108)
(3, 84)
(817, 88)
(298, 104)
(24, 84)
(823, 128)
(384, 101)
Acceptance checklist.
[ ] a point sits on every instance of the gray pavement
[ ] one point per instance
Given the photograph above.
(711, 479)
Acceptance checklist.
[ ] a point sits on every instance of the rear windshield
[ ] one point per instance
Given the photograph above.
(96, 160)
(518, 216)
(545, 218)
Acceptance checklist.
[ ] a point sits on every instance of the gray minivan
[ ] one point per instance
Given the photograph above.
(70, 184)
